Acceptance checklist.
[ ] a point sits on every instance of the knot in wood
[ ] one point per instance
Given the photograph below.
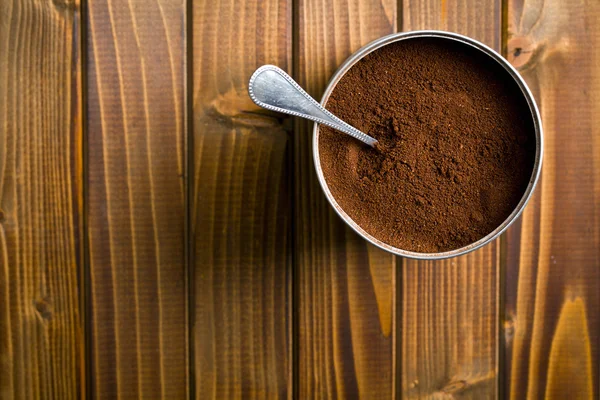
(455, 387)
(44, 309)
(520, 50)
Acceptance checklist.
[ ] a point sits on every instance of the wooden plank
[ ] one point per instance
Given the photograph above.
(241, 204)
(345, 288)
(136, 131)
(41, 337)
(450, 308)
(552, 326)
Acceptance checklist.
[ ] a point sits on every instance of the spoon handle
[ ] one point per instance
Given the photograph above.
(271, 88)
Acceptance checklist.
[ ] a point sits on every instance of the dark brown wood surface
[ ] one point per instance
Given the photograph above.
(136, 107)
(552, 325)
(163, 237)
(240, 204)
(344, 287)
(41, 198)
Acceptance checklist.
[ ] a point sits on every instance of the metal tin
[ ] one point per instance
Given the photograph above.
(535, 115)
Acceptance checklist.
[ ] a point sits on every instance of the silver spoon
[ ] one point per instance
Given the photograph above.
(271, 88)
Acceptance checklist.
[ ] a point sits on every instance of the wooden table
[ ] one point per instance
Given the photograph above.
(162, 237)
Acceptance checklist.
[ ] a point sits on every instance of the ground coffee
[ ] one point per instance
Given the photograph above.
(456, 145)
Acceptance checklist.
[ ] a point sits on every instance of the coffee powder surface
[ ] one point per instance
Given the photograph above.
(456, 145)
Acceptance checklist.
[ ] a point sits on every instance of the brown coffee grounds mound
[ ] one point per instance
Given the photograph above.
(456, 145)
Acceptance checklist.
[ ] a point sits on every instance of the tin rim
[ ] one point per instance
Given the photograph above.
(535, 114)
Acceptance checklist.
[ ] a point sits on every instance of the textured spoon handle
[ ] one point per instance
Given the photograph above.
(271, 88)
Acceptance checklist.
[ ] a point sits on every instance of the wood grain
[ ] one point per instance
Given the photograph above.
(450, 309)
(552, 325)
(41, 337)
(345, 288)
(241, 204)
(136, 127)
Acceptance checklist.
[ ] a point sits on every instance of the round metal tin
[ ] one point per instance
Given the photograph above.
(535, 115)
